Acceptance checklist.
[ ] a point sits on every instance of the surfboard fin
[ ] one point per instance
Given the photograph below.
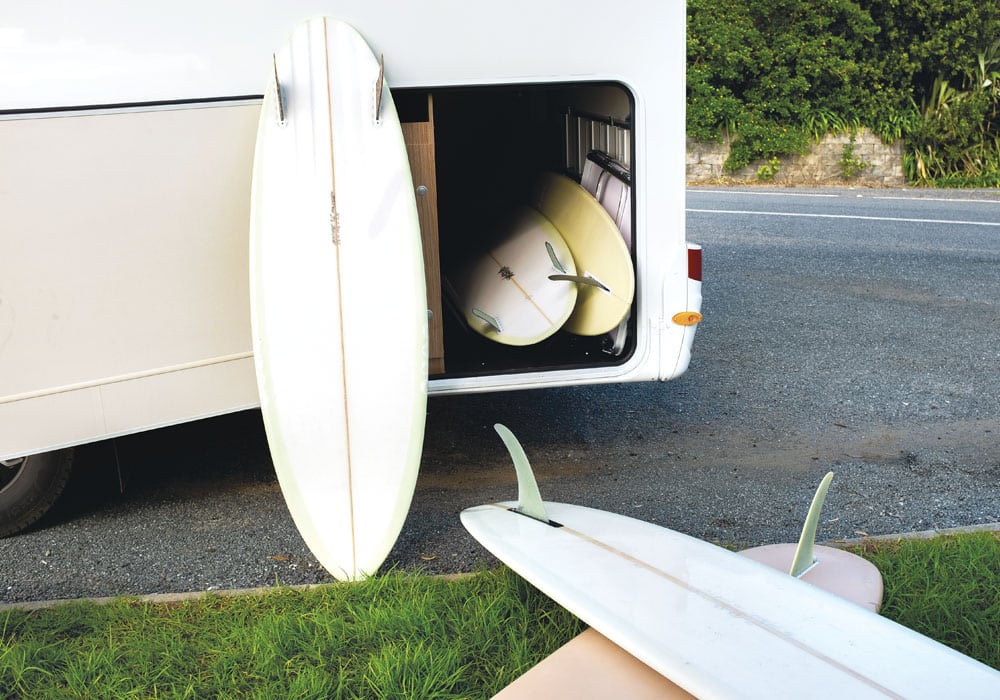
(378, 87)
(804, 558)
(579, 279)
(556, 262)
(279, 95)
(492, 320)
(529, 499)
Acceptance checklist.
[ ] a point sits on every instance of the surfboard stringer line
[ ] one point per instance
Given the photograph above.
(529, 498)
(804, 558)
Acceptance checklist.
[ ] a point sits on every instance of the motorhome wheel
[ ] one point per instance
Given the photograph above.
(29, 486)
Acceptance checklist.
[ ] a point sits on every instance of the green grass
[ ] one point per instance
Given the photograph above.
(947, 588)
(405, 635)
(394, 636)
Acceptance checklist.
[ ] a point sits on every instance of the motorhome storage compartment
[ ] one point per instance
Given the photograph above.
(480, 150)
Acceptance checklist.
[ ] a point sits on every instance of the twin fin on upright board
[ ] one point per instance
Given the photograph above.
(278, 93)
(529, 498)
(379, 82)
(378, 87)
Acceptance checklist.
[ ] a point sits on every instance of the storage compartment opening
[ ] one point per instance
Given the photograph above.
(491, 145)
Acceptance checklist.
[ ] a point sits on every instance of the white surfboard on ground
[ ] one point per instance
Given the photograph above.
(717, 624)
(592, 667)
(338, 300)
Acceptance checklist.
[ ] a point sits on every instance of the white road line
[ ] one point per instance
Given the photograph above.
(847, 194)
(845, 216)
(934, 199)
(765, 194)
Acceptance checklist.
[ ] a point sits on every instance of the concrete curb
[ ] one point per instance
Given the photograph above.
(183, 597)
(226, 593)
(916, 535)
(155, 597)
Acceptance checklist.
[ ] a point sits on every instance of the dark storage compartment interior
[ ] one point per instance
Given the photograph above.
(489, 144)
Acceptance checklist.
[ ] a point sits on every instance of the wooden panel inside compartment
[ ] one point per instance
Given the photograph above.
(419, 138)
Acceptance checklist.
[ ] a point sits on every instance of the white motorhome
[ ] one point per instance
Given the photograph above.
(126, 148)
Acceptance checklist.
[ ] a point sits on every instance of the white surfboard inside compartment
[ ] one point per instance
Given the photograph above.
(510, 282)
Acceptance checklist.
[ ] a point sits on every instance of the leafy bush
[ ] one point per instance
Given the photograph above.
(769, 170)
(776, 74)
(957, 139)
(762, 70)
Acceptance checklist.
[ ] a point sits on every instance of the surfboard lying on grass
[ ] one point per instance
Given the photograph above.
(592, 667)
(338, 302)
(717, 624)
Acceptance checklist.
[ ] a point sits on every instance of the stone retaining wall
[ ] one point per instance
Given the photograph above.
(822, 165)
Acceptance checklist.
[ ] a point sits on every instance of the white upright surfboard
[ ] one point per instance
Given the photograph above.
(338, 302)
(717, 624)
(506, 294)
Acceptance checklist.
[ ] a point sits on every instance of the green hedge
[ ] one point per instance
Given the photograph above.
(777, 74)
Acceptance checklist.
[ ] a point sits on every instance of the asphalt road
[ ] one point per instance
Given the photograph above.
(852, 330)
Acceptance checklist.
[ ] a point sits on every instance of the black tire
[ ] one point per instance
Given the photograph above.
(29, 486)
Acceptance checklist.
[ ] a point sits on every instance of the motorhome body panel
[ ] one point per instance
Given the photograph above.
(113, 52)
(126, 142)
(124, 292)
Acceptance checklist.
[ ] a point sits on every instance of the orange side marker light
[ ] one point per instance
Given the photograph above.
(687, 318)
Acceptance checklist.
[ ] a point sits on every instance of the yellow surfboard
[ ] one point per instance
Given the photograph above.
(598, 249)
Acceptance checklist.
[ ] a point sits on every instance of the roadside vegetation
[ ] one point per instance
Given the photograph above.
(947, 588)
(393, 636)
(775, 75)
(404, 634)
